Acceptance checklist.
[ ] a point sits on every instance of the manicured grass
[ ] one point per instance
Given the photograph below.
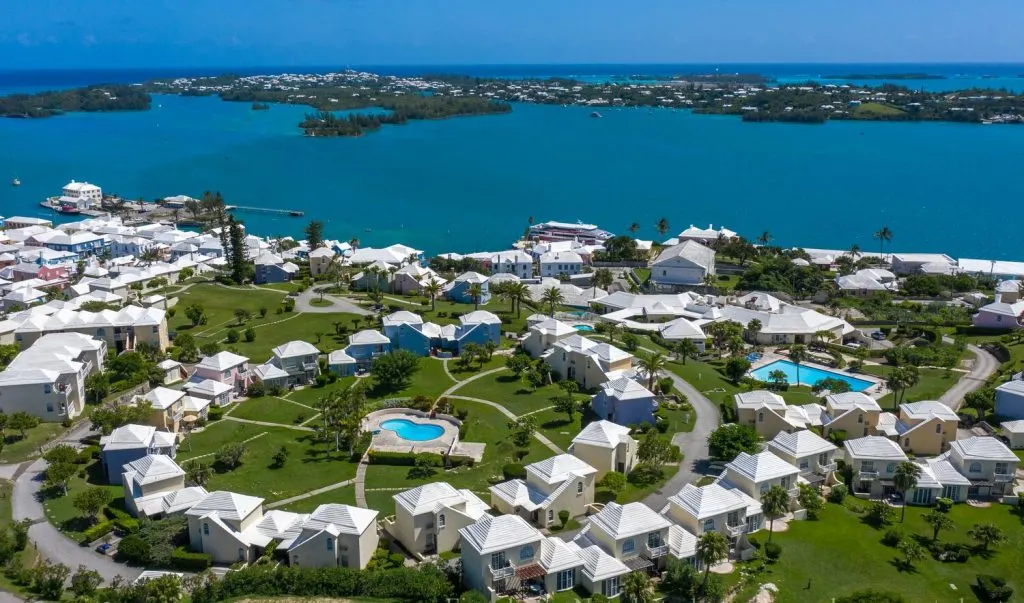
(430, 380)
(282, 328)
(839, 554)
(799, 395)
(871, 109)
(512, 393)
(932, 384)
(708, 378)
(345, 495)
(678, 420)
(220, 304)
(382, 502)
(311, 464)
(17, 448)
(270, 409)
(212, 437)
(640, 483)
(309, 395)
(557, 428)
(320, 303)
(60, 510)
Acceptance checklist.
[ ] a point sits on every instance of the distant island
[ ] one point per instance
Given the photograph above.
(90, 98)
(885, 76)
(260, 106)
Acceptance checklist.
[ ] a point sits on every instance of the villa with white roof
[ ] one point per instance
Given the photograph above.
(938, 478)
(755, 474)
(587, 362)
(48, 379)
(811, 454)
(407, 331)
(299, 359)
(130, 443)
(719, 507)
(769, 414)
(412, 278)
(1013, 431)
(560, 483)
(460, 290)
(1010, 399)
(926, 427)
(686, 263)
(223, 525)
(624, 401)
(515, 262)
(225, 367)
(874, 460)
(335, 535)
(154, 486)
(605, 446)
(637, 536)
(428, 518)
(707, 236)
(544, 335)
(990, 466)
(168, 407)
(122, 329)
(558, 263)
(854, 413)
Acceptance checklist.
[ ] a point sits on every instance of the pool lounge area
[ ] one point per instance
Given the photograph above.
(408, 430)
(809, 375)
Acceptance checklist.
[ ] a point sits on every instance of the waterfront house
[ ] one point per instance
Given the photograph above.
(684, 264)
(167, 407)
(987, 462)
(624, 401)
(320, 260)
(17, 222)
(1008, 291)
(227, 368)
(717, 507)
(367, 345)
(412, 278)
(559, 263)
(560, 483)
(299, 359)
(48, 379)
(862, 285)
(393, 254)
(81, 195)
(130, 443)
(874, 460)
(1010, 399)
(428, 518)
(811, 454)
(374, 277)
(544, 335)
(587, 362)
(605, 446)
(706, 236)
(460, 290)
(516, 262)
(271, 268)
(755, 474)
(769, 414)
(632, 533)
(335, 535)
(927, 427)
(905, 264)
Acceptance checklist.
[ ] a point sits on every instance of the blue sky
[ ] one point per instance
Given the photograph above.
(184, 33)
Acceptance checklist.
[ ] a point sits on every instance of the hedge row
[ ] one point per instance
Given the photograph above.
(383, 457)
(98, 531)
(189, 561)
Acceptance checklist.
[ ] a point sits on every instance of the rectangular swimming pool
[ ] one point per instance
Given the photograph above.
(809, 375)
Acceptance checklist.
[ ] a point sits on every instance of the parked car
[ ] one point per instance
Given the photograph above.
(878, 336)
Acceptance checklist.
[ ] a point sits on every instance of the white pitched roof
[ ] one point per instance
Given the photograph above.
(681, 328)
(222, 361)
(339, 357)
(345, 518)
(691, 251)
(946, 473)
(426, 498)
(707, 501)
(402, 317)
(163, 398)
(625, 388)
(294, 348)
(1013, 426)
(128, 437)
(227, 505)
(368, 336)
(801, 443)
(630, 519)
(153, 468)
(553, 326)
(985, 448)
(760, 467)
(875, 447)
(850, 400)
(926, 409)
(758, 398)
(491, 534)
(207, 387)
(681, 543)
(479, 316)
(602, 433)
(597, 564)
(557, 555)
(559, 468)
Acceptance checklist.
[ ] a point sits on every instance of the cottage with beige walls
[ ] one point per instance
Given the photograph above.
(606, 447)
(428, 518)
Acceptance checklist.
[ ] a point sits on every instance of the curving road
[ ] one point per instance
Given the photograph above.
(302, 304)
(985, 365)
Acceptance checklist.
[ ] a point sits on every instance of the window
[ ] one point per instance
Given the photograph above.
(804, 464)
(49, 407)
(565, 580)
(498, 560)
(1002, 468)
(343, 562)
(867, 465)
(765, 488)
(440, 521)
(526, 552)
(906, 442)
(628, 546)
(654, 539)
(709, 525)
(860, 418)
(938, 428)
(890, 468)
(975, 467)
(330, 544)
(579, 487)
(551, 514)
(610, 587)
(47, 389)
(206, 529)
(760, 417)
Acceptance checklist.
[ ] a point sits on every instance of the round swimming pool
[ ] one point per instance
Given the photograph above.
(413, 431)
(583, 328)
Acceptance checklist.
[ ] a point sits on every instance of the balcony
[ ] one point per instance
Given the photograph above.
(309, 366)
(177, 415)
(1003, 477)
(793, 492)
(736, 530)
(867, 476)
(825, 468)
(654, 552)
(503, 572)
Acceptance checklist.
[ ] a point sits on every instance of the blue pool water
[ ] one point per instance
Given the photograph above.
(809, 375)
(583, 328)
(413, 431)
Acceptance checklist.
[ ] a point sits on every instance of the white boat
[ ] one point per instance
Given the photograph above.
(15, 182)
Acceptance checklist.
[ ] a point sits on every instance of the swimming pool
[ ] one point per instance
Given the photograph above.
(809, 375)
(583, 328)
(413, 431)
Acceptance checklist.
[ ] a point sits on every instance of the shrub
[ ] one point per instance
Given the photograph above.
(949, 552)
(513, 471)
(134, 550)
(754, 542)
(892, 537)
(184, 559)
(97, 531)
(944, 504)
(88, 454)
(233, 336)
(383, 457)
(993, 588)
(563, 517)
(128, 525)
(772, 551)
(838, 493)
(256, 389)
(215, 413)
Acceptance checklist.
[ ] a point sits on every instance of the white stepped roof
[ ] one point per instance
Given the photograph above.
(602, 433)
(801, 443)
(426, 498)
(491, 534)
(226, 505)
(368, 336)
(681, 543)
(926, 409)
(875, 447)
(402, 317)
(163, 398)
(760, 467)
(758, 398)
(295, 348)
(559, 468)
(982, 448)
(622, 521)
(597, 564)
(221, 361)
(851, 400)
(345, 518)
(707, 501)
(153, 468)
(557, 555)
(128, 437)
(478, 317)
(625, 388)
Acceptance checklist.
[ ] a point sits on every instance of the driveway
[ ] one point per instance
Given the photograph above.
(694, 445)
(302, 303)
(985, 365)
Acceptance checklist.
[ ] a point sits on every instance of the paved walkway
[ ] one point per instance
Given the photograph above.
(360, 481)
(288, 501)
(459, 384)
(267, 424)
(338, 304)
(985, 365)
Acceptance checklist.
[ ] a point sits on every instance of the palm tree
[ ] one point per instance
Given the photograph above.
(613, 330)
(884, 235)
(602, 278)
(938, 521)
(476, 291)
(905, 479)
(855, 252)
(662, 226)
(765, 238)
(552, 296)
(354, 242)
(797, 354)
(986, 535)
(432, 289)
(637, 588)
(515, 292)
(634, 227)
(712, 547)
(651, 366)
(753, 328)
(687, 349)
(774, 504)
(778, 377)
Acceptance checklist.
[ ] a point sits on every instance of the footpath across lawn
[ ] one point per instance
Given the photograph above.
(272, 410)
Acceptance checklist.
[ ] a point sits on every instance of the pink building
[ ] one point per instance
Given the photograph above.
(227, 368)
(1000, 315)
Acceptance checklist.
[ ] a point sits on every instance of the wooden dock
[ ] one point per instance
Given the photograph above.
(267, 210)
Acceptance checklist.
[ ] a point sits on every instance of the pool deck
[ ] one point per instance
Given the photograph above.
(386, 440)
(876, 390)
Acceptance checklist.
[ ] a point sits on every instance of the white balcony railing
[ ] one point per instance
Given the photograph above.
(868, 476)
(736, 530)
(503, 572)
(309, 366)
(826, 468)
(656, 551)
(1003, 477)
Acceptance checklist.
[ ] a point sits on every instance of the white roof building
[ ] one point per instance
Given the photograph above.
(491, 534)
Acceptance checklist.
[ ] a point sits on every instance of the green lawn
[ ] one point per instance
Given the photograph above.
(873, 109)
(345, 495)
(640, 484)
(26, 558)
(59, 508)
(799, 395)
(220, 304)
(212, 437)
(271, 409)
(17, 448)
(309, 395)
(678, 420)
(317, 329)
(557, 428)
(839, 554)
(707, 378)
(505, 389)
(933, 383)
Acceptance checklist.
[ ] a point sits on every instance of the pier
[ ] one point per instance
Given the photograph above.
(267, 210)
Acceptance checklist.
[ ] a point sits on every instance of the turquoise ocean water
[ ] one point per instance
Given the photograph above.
(471, 183)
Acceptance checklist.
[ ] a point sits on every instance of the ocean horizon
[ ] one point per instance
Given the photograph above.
(468, 184)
